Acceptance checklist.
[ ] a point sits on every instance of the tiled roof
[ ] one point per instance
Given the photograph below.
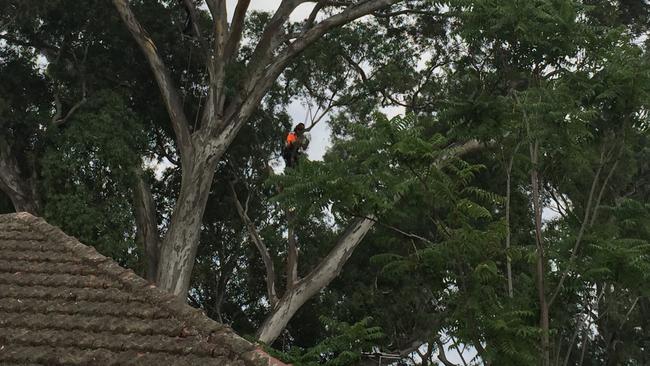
(62, 303)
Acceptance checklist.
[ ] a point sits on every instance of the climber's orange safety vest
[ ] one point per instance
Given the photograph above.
(291, 138)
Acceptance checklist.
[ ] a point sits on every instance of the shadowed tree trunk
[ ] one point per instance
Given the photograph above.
(19, 187)
(146, 223)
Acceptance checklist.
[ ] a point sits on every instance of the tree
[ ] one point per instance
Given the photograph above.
(530, 246)
(58, 67)
(225, 111)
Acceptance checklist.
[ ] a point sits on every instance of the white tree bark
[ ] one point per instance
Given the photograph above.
(328, 269)
(180, 243)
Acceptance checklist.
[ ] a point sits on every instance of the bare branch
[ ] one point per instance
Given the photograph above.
(365, 78)
(583, 227)
(236, 30)
(264, 49)
(627, 315)
(410, 12)
(160, 143)
(314, 13)
(316, 117)
(356, 67)
(261, 247)
(562, 211)
(398, 230)
(58, 119)
(600, 194)
(212, 7)
(507, 218)
(442, 356)
(460, 354)
(168, 91)
(213, 111)
(264, 69)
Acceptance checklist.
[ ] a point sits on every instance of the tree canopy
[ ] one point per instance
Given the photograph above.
(484, 198)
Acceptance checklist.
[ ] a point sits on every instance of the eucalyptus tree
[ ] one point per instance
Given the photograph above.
(228, 107)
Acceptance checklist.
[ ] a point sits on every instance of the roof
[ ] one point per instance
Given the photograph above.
(62, 303)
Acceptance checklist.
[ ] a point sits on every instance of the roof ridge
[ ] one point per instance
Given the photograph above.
(216, 333)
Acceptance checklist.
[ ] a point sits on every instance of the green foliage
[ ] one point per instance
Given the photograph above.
(88, 173)
(343, 346)
(572, 76)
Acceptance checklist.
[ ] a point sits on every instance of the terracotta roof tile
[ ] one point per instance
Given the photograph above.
(62, 303)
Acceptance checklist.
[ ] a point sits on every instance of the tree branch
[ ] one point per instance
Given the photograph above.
(410, 12)
(507, 218)
(259, 244)
(58, 119)
(600, 194)
(330, 266)
(441, 354)
(236, 30)
(265, 70)
(217, 69)
(45, 48)
(146, 223)
(160, 143)
(398, 230)
(583, 227)
(168, 91)
(192, 13)
(314, 13)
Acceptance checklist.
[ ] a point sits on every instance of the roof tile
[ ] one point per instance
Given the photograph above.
(62, 303)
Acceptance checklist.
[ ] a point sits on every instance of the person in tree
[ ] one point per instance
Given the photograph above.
(295, 145)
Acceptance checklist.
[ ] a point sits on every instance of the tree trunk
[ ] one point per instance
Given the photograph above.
(319, 278)
(146, 224)
(21, 190)
(179, 246)
(508, 232)
(544, 322)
